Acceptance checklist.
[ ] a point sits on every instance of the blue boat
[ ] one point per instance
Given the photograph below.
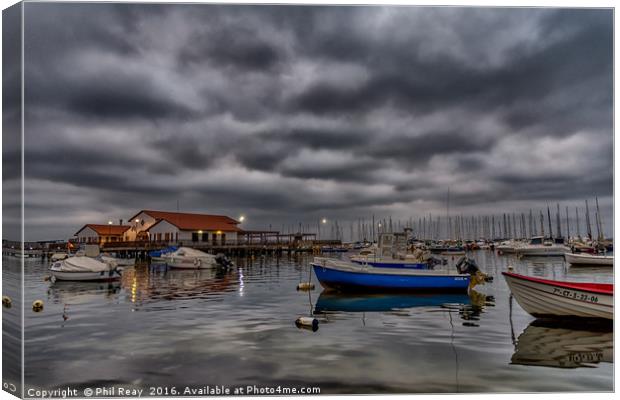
(159, 253)
(391, 264)
(339, 275)
(330, 301)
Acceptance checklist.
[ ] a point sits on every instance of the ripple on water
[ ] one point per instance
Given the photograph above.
(237, 327)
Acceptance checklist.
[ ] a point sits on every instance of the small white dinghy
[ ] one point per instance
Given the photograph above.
(188, 258)
(588, 259)
(81, 268)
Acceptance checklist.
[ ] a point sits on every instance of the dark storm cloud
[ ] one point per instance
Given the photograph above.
(236, 47)
(417, 150)
(286, 112)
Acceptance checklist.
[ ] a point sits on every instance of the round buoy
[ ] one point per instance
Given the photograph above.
(510, 268)
(7, 302)
(37, 305)
(307, 323)
(305, 286)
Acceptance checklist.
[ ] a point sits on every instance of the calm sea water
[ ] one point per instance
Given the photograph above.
(173, 328)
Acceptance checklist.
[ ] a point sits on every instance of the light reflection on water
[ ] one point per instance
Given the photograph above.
(236, 327)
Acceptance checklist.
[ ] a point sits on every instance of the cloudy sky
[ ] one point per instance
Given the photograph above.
(292, 113)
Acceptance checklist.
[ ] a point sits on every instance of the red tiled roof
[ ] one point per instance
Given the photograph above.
(194, 222)
(105, 229)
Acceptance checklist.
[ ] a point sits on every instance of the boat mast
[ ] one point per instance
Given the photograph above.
(577, 222)
(567, 226)
(599, 222)
(542, 224)
(588, 227)
(549, 222)
(557, 218)
(448, 227)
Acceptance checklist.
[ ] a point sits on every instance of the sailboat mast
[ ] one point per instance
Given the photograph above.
(557, 218)
(588, 227)
(577, 222)
(567, 226)
(549, 221)
(599, 221)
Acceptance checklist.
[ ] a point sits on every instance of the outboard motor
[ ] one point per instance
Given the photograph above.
(467, 265)
(223, 261)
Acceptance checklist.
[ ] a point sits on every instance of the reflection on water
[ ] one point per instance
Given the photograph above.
(333, 301)
(236, 327)
(565, 344)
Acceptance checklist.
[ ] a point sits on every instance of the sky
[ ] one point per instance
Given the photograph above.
(291, 114)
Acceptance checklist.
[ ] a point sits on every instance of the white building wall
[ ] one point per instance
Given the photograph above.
(164, 231)
(144, 222)
(88, 235)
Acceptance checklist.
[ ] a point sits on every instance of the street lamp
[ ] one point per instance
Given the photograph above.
(242, 218)
(110, 230)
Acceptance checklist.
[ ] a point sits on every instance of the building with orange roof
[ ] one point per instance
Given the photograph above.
(186, 228)
(100, 233)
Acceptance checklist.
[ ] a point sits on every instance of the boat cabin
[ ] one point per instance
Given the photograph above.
(392, 244)
(537, 240)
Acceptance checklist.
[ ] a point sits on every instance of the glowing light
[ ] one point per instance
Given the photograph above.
(324, 220)
(109, 222)
(137, 220)
(219, 232)
(242, 218)
(241, 283)
(200, 232)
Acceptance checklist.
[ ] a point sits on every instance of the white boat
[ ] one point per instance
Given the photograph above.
(507, 247)
(81, 268)
(538, 246)
(548, 298)
(58, 256)
(588, 259)
(188, 258)
(391, 252)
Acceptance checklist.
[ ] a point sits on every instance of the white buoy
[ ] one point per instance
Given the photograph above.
(510, 268)
(307, 323)
(305, 286)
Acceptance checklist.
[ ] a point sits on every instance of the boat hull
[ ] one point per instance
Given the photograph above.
(542, 251)
(351, 280)
(543, 298)
(102, 276)
(587, 259)
(190, 264)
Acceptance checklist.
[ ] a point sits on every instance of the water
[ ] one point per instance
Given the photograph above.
(161, 327)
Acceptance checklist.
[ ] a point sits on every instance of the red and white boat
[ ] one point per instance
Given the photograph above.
(548, 298)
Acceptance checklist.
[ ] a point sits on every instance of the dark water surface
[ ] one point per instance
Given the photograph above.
(161, 327)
